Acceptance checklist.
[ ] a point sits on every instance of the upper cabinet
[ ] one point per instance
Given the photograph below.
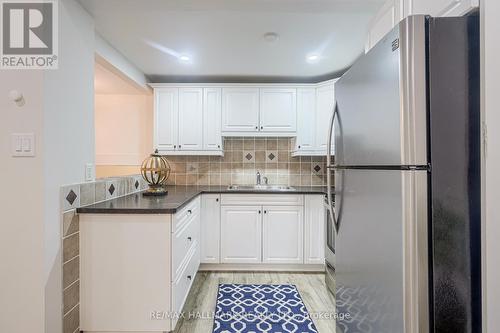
(187, 121)
(240, 110)
(386, 18)
(315, 109)
(165, 118)
(212, 107)
(278, 110)
(190, 130)
(193, 119)
(259, 111)
(393, 11)
(440, 7)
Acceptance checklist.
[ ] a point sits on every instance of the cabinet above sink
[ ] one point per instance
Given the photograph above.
(192, 119)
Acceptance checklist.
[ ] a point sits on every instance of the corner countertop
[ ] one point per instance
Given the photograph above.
(177, 197)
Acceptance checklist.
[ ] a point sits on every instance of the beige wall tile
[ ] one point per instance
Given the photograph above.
(249, 144)
(71, 271)
(215, 179)
(260, 144)
(191, 179)
(271, 144)
(203, 167)
(305, 180)
(283, 144)
(71, 320)
(294, 180)
(87, 194)
(180, 179)
(203, 179)
(237, 145)
(225, 179)
(71, 247)
(100, 191)
(71, 297)
(71, 222)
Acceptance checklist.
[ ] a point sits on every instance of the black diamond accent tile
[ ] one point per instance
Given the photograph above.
(248, 156)
(136, 184)
(271, 156)
(317, 168)
(71, 197)
(111, 189)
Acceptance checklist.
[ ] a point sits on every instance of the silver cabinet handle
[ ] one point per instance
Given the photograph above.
(189, 277)
(189, 211)
(190, 239)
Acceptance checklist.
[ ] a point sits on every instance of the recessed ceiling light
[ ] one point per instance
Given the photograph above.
(271, 37)
(184, 58)
(313, 58)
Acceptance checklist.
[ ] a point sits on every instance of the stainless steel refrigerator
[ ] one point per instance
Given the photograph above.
(406, 176)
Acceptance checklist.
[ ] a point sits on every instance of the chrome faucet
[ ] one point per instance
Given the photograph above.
(258, 178)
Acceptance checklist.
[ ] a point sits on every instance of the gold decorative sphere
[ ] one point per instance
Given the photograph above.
(155, 170)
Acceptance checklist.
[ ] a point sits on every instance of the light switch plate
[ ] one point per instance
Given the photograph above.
(89, 172)
(23, 144)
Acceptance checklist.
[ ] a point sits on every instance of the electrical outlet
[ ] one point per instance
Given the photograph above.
(89, 172)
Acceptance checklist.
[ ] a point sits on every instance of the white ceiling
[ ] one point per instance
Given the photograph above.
(108, 82)
(225, 37)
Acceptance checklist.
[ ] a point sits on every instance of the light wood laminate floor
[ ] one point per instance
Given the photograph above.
(203, 295)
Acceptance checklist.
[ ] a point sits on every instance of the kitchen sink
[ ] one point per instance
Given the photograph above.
(270, 188)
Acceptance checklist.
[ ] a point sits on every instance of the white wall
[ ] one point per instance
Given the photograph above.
(21, 222)
(490, 12)
(69, 137)
(124, 67)
(123, 125)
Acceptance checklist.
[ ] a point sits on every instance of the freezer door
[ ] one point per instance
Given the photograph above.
(381, 251)
(381, 102)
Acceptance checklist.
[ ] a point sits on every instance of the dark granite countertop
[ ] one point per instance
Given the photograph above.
(177, 197)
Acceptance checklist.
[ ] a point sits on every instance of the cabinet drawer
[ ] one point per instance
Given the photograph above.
(182, 240)
(263, 199)
(184, 216)
(181, 286)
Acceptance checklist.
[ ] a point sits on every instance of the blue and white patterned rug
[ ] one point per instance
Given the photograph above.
(252, 308)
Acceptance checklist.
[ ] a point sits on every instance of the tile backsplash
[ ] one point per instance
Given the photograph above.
(243, 158)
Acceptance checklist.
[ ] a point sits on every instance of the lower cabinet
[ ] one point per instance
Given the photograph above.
(241, 229)
(210, 228)
(267, 229)
(283, 235)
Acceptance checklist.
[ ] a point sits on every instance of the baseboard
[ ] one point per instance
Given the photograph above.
(264, 267)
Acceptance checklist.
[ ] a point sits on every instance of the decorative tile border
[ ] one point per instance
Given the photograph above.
(72, 197)
(243, 157)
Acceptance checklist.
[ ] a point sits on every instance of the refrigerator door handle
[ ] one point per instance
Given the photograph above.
(331, 207)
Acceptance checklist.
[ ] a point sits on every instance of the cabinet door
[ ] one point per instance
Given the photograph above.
(306, 119)
(166, 112)
(278, 110)
(241, 229)
(240, 110)
(325, 100)
(190, 119)
(283, 235)
(387, 17)
(212, 106)
(210, 228)
(314, 230)
(440, 7)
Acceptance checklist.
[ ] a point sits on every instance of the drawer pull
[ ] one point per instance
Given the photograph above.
(189, 277)
(259, 211)
(190, 211)
(190, 239)
(265, 212)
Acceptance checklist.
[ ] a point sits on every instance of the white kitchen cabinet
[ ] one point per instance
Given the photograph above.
(283, 235)
(212, 107)
(240, 110)
(440, 7)
(393, 11)
(314, 229)
(278, 110)
(166, 123)
(325, 101)
(190, 132)
(241, 229)
(210, 228)
(306, 119)
(386, 18)
(187, 121)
